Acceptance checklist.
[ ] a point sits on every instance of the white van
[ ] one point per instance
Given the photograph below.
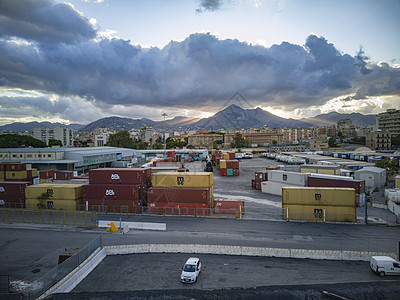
(384, 265)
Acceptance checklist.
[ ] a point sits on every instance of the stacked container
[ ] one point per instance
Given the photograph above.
(117, 189)
(320, 169)
(54, 196)
(278, 179)
(12, 194)
(318, 180)
(17, 171)
(258, 178)
(47, 175)
(188, 193)
(229, 167)
(319, 204)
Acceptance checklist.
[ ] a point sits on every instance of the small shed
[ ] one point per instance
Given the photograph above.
(374, 177)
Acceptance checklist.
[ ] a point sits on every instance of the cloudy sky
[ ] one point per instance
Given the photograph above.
(80, 60)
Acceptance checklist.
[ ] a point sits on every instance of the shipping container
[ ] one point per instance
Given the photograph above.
(183, 179)
(228, 206)
(13, 188)
(63, 175)
(319, 196)
(47, 173)
(171, 153)
(7, 201)
(261, 176)
(320, 169)
(112, 205)
(120, 176)
(225, 156)
(223, 172)
(375, 178)
(231, 155)
(172, 208)
(397, 182)
(114, 191)
(18, 175)
(14, 166)
(2, 175)
(54, 204)
(179, 195)
(358, 185)
(222, 164)
(164, 169)
(274, 188)
(392, 195)
(232, 164)
(258, 185)
(292, 178)
(253, 183)
(273, 168)
(235, 172)
(319, 213)
(54, 191)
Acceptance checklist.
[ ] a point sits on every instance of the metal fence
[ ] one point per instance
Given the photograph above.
(48, 216)
(40, 286)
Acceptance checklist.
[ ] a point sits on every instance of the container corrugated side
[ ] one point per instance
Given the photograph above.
(53, 204)
(114, 191)
(316, 213)
(222, 164)
(18, 175)
(112, 205)
(293, 178)
(228, 206)
(179, 195)
(55, 191)
(119, 175)
(358, 185)
(13, 188)
(183, 179)
(164, 208)
(319, 196)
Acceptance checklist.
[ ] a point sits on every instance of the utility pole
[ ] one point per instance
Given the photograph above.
(165, 141)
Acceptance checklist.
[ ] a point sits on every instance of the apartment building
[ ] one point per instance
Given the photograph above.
(64, 134)
(389, 121)
(378, 140)
(294, 135)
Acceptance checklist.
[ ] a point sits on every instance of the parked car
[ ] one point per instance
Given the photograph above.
(384, 265)
(247, 155)
(191, 270)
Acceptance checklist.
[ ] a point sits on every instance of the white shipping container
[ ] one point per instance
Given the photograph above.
(274, 188)
(291, 178)
(392, 195)
(360, 200)
(327, 176)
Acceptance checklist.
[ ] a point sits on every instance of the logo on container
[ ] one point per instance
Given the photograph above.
(115, 177)
(2, 189)
(110, 193)
(318, 197)
(50, 192)
(318, 213)
(180, 180)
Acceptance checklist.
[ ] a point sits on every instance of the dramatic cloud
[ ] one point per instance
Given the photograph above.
(53, 49)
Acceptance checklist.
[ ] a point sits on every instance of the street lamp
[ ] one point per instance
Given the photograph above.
(165, 142)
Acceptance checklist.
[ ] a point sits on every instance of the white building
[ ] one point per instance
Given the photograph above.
(64, 134)
(101, 139)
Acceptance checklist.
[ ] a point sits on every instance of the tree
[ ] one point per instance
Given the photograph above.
(332, 142)
(395, 142)
(389, 164)
(158, 145)
(54, 142)
(359, 140)
(142, 146)
(121, 139)
(20, 141)
(238, 141)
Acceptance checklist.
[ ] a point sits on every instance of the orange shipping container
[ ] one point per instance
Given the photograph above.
(228, 206)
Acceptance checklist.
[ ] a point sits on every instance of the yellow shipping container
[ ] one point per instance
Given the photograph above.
(2, 178)
(397, 182)
(23, 175)
(213, 151)
(55, 191)
(34, 173)
(55, 204)
(319, 169)
(222, 164)
(319, 196)
(225, 156)
(183, 179)
(319, 213)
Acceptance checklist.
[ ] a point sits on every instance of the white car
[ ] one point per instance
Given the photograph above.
(191, 270)
(384, 265)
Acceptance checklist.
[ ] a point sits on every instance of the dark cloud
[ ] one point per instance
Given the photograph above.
(43, 21)
(201, 71)
(209, 5)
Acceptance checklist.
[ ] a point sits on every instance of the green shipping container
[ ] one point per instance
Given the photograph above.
(229, 172)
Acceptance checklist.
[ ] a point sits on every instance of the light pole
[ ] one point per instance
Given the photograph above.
(165, 142)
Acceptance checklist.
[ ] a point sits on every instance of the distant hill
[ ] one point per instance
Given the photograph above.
(232, 117)
(23, 127)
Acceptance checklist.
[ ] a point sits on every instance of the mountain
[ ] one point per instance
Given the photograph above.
(235, 117)
(23, 127)
(333, 117)
(118, 123)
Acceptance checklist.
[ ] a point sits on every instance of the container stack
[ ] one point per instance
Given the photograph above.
(228, 206)
(117, 189)
(258, 178)
(63, 175)
(189, 193)
(320, 180)
(54, 196)
(229, 167)
(319, 204)
(278, 179)
(17, 171)
(47, 175)
(320, 169)
(12, 194)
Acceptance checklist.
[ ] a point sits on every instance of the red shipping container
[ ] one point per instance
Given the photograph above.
(253, 183)
(273, 168)
(63, 175)
(7, 201)
(258, 185)
(171, 154)
(358, 185)
(164, 208)
(113, 191)
(218, 154)
(179, 195)
(120, 176)
(111, 205)
(16, 188)
(261, 176)
(223, 172)
(46, 174)
(235, 172)
(228, 206)
(14, 166)
(231, 155)
(232, 164)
